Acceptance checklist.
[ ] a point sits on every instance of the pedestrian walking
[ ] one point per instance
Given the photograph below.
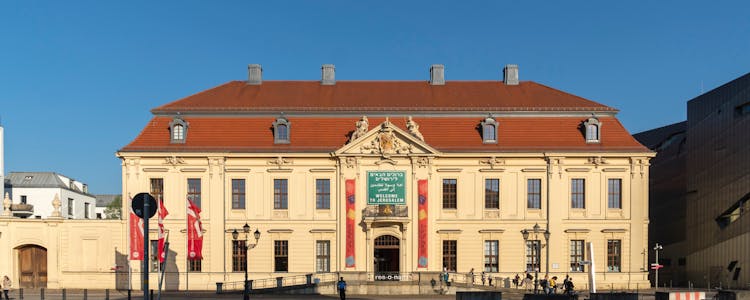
(6, 286)
(471, 275)
(484, 277)
(553, 285)
(341, 285)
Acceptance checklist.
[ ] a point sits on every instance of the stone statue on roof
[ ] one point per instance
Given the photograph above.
(413, 128)
(361, 128)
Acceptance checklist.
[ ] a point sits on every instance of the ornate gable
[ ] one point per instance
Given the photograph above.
(386, 140)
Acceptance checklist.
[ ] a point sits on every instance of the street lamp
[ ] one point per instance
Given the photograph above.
(256, 235)
(657, 247)
(536, 230)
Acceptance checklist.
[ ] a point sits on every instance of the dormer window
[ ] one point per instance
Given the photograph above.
(592, 128)
(178, 129)
(489, 130)
(281, 129)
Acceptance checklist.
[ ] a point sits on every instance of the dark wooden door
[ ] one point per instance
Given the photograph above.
(32, 263)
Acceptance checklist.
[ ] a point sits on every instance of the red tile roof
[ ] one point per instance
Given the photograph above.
(327, 134)
(289, 96)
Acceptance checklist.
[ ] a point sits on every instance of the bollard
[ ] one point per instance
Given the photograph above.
(106, 294)
(129, 291)
(64, 294)
(85, 294)
(41, 293)
(20, 293)
(152, 294)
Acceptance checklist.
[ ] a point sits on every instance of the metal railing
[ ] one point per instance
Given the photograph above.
(386, 211)
(280, 282)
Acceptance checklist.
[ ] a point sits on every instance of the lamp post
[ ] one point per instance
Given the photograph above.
(657, 247)
(537, 245)
(235, 235)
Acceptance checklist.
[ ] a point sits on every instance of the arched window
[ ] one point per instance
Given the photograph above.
(281, 133)
(592, 129)
(489, 130)
(178, 128)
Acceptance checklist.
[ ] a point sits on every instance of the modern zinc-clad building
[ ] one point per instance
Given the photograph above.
(378, 178)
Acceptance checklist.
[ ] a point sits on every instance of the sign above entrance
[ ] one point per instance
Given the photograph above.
(386, 187)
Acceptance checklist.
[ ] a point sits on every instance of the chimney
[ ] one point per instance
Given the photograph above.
(437, 74)
(329, 75)
(254, 74)
(510, 73)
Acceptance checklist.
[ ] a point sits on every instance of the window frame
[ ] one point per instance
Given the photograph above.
(178, 122)
(157, 188)
(534, 197)
(194, 191)
(533, 255)
(450, 195)
(592, 129)
(614, 198)
(323, 197)
(71, 206)
(282, 121)
(577, 255)
(487, 124)
(614, 255)
(322, 260)
(239, 194)
(86, 210)
(280, 198)
(239, 256)
(491, 198)
(281, 256)
(450, 255)
(578, 193)
(195, 265)
(491, 259)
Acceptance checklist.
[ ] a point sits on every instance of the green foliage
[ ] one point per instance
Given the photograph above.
(114, 209)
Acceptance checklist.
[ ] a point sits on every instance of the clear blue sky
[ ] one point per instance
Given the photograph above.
(77, 79)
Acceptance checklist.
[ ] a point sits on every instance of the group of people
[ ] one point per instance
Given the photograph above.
(549, 285)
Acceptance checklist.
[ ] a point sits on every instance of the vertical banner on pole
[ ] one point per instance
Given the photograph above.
(350, 213)
(422, 244)
(136, 235)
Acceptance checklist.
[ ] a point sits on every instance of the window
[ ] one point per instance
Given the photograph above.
(449, 193)
(86, 210)
(534, 193)
(238, 193)
(154, 255)
(449, 255)
(576, 255)
(734, 212)
(194, 265)
(614, 248)
(194, 191)
(239, 256)
(70, 207)
(322, 256)
(578, 193)
(489, 130)
(178, 127)
(157, 188)
(681, 261)
(280, 194)
(532, 255)
(742, 110)
(281, 256)
(614, 193)
(281, 130)
(23, 199)
(490, 256)
(323, 193)
(592, 127)
(492, 193)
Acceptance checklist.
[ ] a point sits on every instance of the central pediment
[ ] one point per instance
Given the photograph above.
(386, 140)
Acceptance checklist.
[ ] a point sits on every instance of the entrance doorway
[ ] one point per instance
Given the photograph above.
(387, 258)
(32, 266)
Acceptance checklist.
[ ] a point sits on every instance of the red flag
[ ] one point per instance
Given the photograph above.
(136, 235)
(195, 232)
(162, 214)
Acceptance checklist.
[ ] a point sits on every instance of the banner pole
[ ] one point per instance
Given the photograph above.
(145, 270)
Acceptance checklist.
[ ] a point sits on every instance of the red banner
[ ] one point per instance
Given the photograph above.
(136, 235)
(422, 243)
(195, 232)
(162, 214)
(350, 213)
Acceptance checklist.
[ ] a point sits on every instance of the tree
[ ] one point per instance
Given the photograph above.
(114, 209)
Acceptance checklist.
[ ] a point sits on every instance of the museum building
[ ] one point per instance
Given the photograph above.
(375, 178)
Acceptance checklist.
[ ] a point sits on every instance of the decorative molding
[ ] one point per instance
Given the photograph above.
(450, 169)
(492, 214)
(322, 170)
(534, 170)
(360, 129)
(322, 230)
(351, 162)
(280, 214)
(193, 170)
(577, 230)
(597, 161)
(614, 169)
(413, 128)
(279, 161)
(280, 231)
(492, 162)
(386, 161)
(614, 230)
(155, 169)
(279, 170)
(174, 160)
(491, 170)
(386, 143)
(491, 230)
(236, 169)
(578, 169)
(449, 231)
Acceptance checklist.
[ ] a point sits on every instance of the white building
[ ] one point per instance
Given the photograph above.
(39, 190)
